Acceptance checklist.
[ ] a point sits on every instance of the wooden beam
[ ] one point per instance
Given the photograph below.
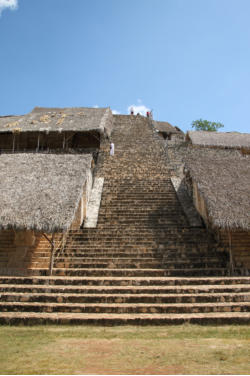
(52, 252)
(231, 260)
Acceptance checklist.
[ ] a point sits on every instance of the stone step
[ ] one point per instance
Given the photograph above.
(67, 272)
(135, 272)
(143, 208)
(133, 189)
(174, 308)
(152, 211)
(147, 221)
(153, 225)
(120, 197)
(137, 264)
(176, 240)
(125, 281)
(111, 240)
(125, 202)
(144, 257)
(166, 243)
(124, 298)
(124, 289)
(215, 318)
(164, 260)
(171, 236)
(136, 256)
(169, 239)
(182, 230)
(117, 199)
(169, 229)
(169, 213)
(153, 247)
(163, 238)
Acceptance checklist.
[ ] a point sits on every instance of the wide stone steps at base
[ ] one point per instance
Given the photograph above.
(125, 298)
(214, 318)
(125, 308)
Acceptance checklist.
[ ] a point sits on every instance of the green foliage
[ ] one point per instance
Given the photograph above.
(205, 125)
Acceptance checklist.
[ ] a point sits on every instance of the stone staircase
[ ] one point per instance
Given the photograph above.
(142, 264)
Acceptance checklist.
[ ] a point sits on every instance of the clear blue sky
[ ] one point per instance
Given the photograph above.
(185, 59)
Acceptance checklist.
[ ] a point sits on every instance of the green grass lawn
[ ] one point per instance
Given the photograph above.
(186, 349)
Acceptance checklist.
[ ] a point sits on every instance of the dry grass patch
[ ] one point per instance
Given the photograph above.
(186, 349)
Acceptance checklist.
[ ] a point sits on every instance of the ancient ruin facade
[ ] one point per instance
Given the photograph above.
(129, 238)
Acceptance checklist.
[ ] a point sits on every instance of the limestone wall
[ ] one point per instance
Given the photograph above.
(240, 248)
(200, 204)
(193, 191)
(21, 251)
(83, 203)
(79, 214)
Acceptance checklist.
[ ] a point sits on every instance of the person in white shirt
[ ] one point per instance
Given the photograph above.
(112, 149)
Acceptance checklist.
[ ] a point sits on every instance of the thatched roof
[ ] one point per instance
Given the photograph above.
(41, 119)
(165, 127)
(41, 191)
(223, 179)
(220, 139)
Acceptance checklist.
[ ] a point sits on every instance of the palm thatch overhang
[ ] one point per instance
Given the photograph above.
(223, 181)
(78, 119)
(233, 140)
(165, 127)
(41, 192)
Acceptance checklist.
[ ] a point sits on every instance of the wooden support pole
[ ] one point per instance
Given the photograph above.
(38, 142)
(52, 256)
(63, 140)
(13, 145)
(63, 241)
(52, 253)
(230, 253)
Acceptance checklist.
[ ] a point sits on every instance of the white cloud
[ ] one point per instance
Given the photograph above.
(96, 106)
(8, 4)
(140, 108)
(114, 112)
